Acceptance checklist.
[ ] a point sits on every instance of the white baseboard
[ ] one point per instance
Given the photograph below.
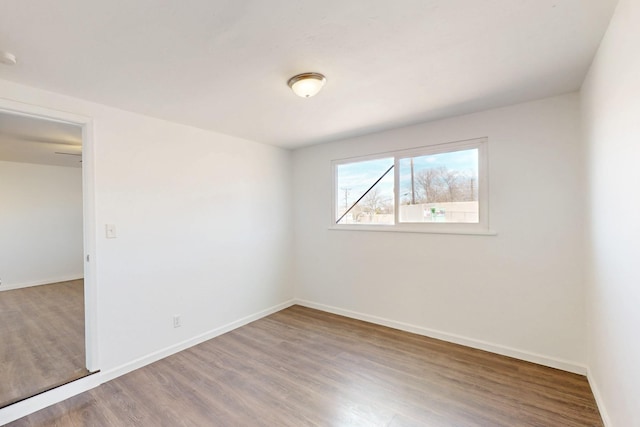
(161, 354)
(41, 401)
(51, 397)
(599, 401)
(552, 362)
(12, 286)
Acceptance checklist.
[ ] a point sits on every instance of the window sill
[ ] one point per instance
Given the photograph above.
(413, 229)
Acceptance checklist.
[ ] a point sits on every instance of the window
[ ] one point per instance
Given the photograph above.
(365, 192)
(438, 188)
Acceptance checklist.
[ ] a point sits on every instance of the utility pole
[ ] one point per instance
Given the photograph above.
(472, 187)
(413, 186)
(346, 197)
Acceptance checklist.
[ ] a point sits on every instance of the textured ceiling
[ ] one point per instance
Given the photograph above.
(223, 64)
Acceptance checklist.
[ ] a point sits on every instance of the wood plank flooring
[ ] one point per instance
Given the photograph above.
(42, 342)
(302, 367)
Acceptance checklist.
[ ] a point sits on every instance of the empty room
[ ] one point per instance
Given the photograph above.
(292, 213)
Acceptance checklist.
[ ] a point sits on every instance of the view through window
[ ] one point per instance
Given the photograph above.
(365, 192)
(440, 187)
(427, 185)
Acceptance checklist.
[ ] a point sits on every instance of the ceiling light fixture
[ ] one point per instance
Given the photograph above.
(7, 58)
(306, 84)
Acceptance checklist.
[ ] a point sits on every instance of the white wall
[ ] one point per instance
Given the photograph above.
(40, 224)
(519, 293)
(611, 117)
(203, 223)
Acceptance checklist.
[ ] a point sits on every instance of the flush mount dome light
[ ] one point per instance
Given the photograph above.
(306, 84)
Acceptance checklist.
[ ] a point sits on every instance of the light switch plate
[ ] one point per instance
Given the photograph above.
(110, 231)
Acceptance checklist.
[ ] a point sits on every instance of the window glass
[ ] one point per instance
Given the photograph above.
(439, 187)
(364, 192)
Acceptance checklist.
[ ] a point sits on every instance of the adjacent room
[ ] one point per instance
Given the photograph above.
(303, 213)
(42, 292)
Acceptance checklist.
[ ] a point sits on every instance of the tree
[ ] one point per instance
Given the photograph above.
(450, 180)
(428, 185)
(372, 202)
(468, 187)
(440, 185)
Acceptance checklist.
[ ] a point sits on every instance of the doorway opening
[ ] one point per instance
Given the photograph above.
(47, 285)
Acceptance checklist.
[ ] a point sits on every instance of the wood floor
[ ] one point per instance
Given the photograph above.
(302, 367)
(41, 339)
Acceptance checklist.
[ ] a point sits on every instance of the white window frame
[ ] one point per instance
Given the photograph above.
(481, 227)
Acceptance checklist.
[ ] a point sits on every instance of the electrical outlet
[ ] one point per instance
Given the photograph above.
(177, 321)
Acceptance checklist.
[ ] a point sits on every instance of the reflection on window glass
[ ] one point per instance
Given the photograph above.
(439, 187)
(364, 192)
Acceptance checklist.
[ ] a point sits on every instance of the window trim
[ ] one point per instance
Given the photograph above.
(479, 228)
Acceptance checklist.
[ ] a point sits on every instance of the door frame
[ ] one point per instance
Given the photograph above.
(89, 219)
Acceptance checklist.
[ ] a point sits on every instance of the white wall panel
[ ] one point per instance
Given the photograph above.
(520, 292)
(40, 224)
(611, 122)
